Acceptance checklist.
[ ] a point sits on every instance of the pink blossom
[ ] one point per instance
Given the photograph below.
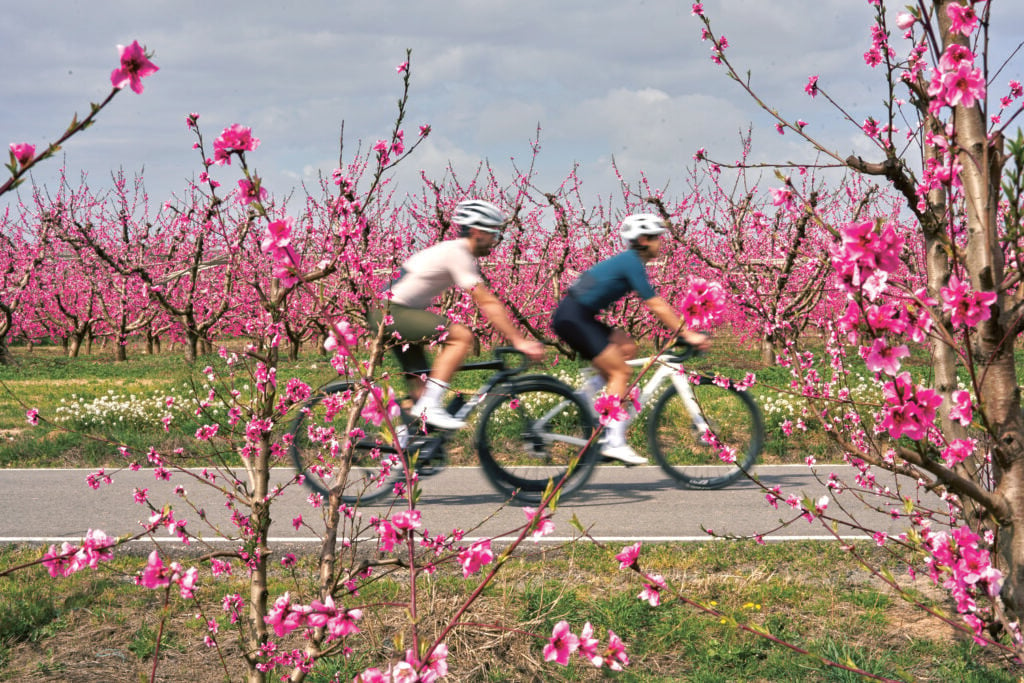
(58, 562)
(962, 18)
(904, 20)
(135, 66)
(873, 57)
(475, 557)
(402, 68)
(406, 519)
(402, 672)
(962, 410)
(615, 654)
(627, 558)
(32, 416)
(966, 307)
(372, 675)
(703, 304)
(652, 591)
(234, 139)
(155, 575)
(609, 409)
(343, 623)
(434, 668)
(544, 527)
(342, 337)
(277, 235)
(910, 409)
(697, 10)
(588, 646)
(812, 86)
(249, 192)
(562, 644)
(881, 357)
(783, 197)
(379, 407)
(958, 451)
(388, 535)
(187, 583)
(23, 152)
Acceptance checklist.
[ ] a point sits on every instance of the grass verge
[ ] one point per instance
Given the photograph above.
(98, 626)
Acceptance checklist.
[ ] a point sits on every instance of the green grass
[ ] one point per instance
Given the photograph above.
(56, 386)
(844, 616)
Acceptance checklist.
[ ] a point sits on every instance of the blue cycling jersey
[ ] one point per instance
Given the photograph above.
(611, 279)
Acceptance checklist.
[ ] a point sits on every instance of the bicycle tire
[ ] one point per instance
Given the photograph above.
(530, 430)
(692, 458)
(315, 449)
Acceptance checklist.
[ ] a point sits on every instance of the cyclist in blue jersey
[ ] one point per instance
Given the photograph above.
(607, 348)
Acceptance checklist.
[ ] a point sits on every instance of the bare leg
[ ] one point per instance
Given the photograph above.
(611, 362)
(457, 346)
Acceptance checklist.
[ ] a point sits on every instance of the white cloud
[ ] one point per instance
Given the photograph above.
(603, 79)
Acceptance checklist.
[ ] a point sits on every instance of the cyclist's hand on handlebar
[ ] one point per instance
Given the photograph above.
(533, 350)
(697, 340)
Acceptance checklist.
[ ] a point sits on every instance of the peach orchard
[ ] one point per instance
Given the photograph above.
(915, 247)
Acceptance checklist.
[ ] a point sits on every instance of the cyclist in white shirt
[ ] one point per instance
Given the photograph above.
(426, 275)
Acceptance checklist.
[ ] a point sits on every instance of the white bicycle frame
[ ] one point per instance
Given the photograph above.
(666, 371)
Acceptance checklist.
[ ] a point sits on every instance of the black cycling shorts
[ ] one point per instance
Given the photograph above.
(579, 327)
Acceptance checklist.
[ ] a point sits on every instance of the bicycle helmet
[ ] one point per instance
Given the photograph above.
(641, 224)
(477, 213)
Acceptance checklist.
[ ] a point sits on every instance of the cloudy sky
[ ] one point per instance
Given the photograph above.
(604, 80)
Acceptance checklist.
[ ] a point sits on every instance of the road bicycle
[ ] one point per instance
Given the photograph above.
(703, 431)
(530, 430)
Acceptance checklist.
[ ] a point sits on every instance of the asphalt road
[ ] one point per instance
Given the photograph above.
(618, 504)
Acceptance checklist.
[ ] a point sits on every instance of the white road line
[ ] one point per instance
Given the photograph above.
(466, 539)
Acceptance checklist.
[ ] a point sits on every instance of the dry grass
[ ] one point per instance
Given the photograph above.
(500, 637)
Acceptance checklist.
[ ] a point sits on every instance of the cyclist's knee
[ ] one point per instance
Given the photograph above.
(624, 343)
(628, 349)
(459, 335)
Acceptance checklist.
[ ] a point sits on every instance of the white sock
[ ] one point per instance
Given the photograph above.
(616, 430)
(592, 387)
(433, 392)
(402, 434)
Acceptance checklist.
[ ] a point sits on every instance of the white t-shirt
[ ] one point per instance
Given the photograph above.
(430, 272)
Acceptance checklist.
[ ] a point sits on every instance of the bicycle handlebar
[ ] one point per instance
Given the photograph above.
(500, 352)
(684, 350)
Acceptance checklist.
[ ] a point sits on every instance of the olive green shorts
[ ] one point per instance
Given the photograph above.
(415, 327)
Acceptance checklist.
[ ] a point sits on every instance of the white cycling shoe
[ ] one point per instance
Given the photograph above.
(624, 454)
(439, 417)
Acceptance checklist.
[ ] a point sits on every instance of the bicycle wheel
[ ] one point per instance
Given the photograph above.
(318, 444)
(530, 431)
(710, 457)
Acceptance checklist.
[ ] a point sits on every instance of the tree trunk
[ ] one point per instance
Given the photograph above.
(767, 352)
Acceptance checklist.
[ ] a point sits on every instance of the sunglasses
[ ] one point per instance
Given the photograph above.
(498, 235)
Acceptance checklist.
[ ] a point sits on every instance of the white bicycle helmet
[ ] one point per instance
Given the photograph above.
(477, 213)
(641, 224)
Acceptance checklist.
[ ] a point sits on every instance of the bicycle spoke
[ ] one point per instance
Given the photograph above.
(530, 432)
(318, 450)
(707, 440)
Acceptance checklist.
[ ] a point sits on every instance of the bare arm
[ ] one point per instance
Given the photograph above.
(498, 317)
